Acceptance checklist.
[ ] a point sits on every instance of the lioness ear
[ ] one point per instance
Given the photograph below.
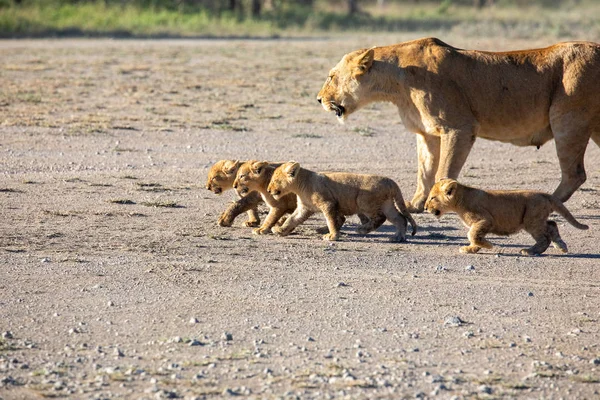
(258, 166)
(450, 188)
(365, 61)
(292, 169)
(230, 166)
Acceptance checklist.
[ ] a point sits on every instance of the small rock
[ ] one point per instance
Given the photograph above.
(195, 342)
(7, 335)
(110, 304)
(485, 389)
(470, 268)
(342, 284)
(441, 268)
(595, 361)
(193, 320)
(118, 353)
(468, 334)
(227, 336)
(454, 321)
(45, 260)
(529, 294)
(310, 339)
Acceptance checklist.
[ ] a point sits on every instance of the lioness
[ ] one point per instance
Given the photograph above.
(450, 96)
(254, 176)
(337, 195)
(502, 212)
(220, 178)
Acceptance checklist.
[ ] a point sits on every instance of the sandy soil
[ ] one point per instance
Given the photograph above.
(115, 281)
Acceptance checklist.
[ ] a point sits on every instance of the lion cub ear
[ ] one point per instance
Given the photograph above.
(450, 188)
(292, 168)
(258, 167)
(230, 166)
(364, 61)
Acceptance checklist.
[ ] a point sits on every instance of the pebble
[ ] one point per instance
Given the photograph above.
(110, 304)
(118, 353)
(342, 284)
(7, 335)
(441, 268)
(468, 334)
(454, 321)
(485, 389)
(193, 320)
(195, 342)
(595, 361)
(470, 268)
(529, 294)
(227, 336)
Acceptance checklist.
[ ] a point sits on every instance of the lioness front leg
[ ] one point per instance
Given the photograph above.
(428, 152)
(477, 238)
(300, 215)
(454, 149)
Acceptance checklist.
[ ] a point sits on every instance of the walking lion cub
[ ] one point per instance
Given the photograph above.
(220, 179)
(502, 212)
(254, 176)
(338, 195)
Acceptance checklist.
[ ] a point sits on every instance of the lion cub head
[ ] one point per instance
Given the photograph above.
(442, 197)
(283, 180)
(221, 175)
(250, 177)
(347, 85)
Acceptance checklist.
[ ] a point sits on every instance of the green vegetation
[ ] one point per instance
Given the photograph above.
(267, 18)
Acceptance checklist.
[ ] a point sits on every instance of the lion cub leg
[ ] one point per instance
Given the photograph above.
(542, 236)
(332, 216)
(477, 238)
(340, 220)
(248, 203)
(557, 241)
(397, 219)
(275, 214)
(299, 215)
(371, 224)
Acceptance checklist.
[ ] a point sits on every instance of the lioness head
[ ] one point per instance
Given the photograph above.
(222, 175)
(283, 179)
(441, 197)
(249, 176)
(342, 91)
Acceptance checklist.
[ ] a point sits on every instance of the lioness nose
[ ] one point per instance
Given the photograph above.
(319, 99)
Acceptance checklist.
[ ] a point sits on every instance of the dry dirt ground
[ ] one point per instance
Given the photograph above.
(116, 282)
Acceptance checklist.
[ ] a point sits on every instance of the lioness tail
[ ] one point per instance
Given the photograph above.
(560, 208)
(401, 206)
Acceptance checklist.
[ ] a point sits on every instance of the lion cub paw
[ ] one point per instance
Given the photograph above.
(251, 223)
(279, 231)
(332, 237)
(469, 249)
(224, 220)
(261, 231)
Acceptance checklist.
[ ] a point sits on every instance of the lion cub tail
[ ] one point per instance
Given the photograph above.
(560, 208)
(401, 206)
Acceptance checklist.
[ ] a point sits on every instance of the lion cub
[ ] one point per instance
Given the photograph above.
(220, 178)
(254, 176)
(338, 195)
(502, 212)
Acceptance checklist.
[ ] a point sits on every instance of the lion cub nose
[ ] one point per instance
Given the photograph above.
(319, 100)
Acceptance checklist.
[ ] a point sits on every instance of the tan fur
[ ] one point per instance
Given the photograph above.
(220, 179)
(254, 176)
(338, 195)
(502, 212)
(450, 96)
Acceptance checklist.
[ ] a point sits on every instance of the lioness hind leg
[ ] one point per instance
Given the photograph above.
(371, 224)
(570, 147)
(557, 241)
(397, 219)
